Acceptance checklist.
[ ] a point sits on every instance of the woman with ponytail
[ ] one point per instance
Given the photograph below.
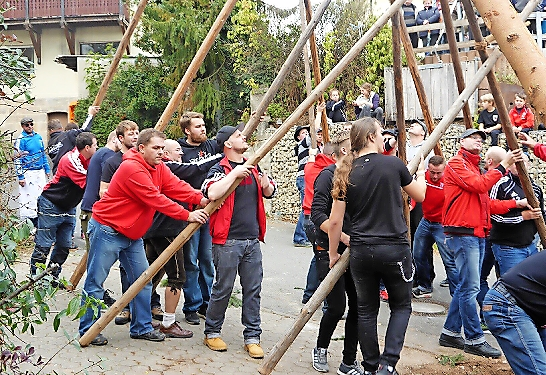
(367, 186)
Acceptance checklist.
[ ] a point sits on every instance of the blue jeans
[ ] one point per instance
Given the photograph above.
(509, 256)
(468, 251)
(519, 338)
(243, 257)
(107, 246)
(299, 233)
(55, 226)
(426, 235)
(199, 270)
(487, 265)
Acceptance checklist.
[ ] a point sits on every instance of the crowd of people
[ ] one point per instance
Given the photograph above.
(159, 185)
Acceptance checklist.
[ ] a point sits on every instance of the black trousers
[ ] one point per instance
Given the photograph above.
(336, 303)
(393, 264)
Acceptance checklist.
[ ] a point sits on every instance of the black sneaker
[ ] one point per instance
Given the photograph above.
(155, 335)
(192, 318)
(353, 369)
(421, 292)
(386, 370)
(320, 359)
(107, 299)
(444, 283)
(202, 311)
(483, 349)
(451, 341)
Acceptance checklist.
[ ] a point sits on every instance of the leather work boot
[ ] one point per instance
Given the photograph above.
(254, 350)
(216, 344)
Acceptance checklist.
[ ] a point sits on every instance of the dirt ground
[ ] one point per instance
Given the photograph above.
(464, 366)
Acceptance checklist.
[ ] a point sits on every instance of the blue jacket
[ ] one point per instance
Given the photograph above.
(34, 157)
(431, 14)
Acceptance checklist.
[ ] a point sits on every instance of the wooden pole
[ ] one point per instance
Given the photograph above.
(520, 48)
(194, 66)
(182, 238)
(119, 53)
(505, 121)
(305, 314)
(456, 59)
(316, 70)
(419, 87)
(78, 272)
(463, 97)
(253, 122)
(308, 85)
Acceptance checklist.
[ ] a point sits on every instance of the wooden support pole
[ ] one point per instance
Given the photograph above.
(252, 123)
(194, 66)
(306, 313)
(455, 58)
(183, 237)
(316, 70)
(506, 125)
(119, 53)
(308, 84)
(520, 48)
(78, 272)
(399, 98)
(419, 87)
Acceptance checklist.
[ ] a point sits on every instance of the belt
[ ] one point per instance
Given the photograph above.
(501, 288)
(307, 217)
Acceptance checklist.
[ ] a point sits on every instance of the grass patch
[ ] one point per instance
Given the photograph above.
(235, 300)
(451, 360)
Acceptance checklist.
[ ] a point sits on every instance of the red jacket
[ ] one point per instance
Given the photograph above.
(434, 200)
(467, 206)
(524, 119)
(220, 220)
(540, 151)
(137, 191)
(311, 171)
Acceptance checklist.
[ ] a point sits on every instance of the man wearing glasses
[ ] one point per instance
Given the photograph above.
(466, 221)
(32, 169)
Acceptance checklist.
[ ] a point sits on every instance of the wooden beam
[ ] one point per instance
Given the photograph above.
(316, 70)
(252, 123)
(183, 237)
(443, 47)
(438, 26)
(36, 39)
(455, 58)
(70, 36)
(308, 84)
(119, 53)
(506, 125)
(419, 86)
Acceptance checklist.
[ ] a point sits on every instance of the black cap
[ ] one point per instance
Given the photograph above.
(298, 130)
(468, 132)
(26, 120)
(225, 132)
(423, 125)
(393, 132)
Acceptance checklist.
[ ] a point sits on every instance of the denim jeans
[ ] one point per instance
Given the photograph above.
(299, 233)
(107, 246)
(495, 137)
(487, 265)
(519, 338)
(426, 235)
(244, 257)
(199, 270)
(55, 226)
(312, 282)
(336, 302)
(468, 251)
(509, 256)
(369, 264)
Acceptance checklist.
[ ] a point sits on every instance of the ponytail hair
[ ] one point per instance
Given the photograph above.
(361, 131)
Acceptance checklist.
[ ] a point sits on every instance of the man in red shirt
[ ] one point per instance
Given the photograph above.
(141, 186)
(430, 230)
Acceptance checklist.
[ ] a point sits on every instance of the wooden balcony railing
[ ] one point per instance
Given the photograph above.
(39, 9)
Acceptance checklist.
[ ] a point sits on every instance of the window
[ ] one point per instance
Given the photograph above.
(28, 52)
(87, 48)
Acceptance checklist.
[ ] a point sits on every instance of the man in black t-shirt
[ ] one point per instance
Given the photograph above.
(489, 119)
(237, 228)
(515, 312)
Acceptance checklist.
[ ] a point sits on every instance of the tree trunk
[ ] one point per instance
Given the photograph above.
(520, 49)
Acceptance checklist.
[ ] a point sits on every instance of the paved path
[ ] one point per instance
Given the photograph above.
(285, 268)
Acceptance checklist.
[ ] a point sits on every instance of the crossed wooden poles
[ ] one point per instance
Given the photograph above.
(394, 11)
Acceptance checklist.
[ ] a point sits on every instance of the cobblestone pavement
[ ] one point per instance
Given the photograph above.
(285, 269)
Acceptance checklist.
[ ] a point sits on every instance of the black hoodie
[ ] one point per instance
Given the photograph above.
(203, 153)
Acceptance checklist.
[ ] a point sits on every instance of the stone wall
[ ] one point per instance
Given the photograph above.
(281, 164)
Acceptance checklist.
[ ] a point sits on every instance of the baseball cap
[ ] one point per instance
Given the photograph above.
(393, 132)
(298, 130)
(468, 132)
(423, 125)
(225, 132)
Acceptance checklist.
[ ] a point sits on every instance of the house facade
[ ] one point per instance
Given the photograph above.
(56, 35)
